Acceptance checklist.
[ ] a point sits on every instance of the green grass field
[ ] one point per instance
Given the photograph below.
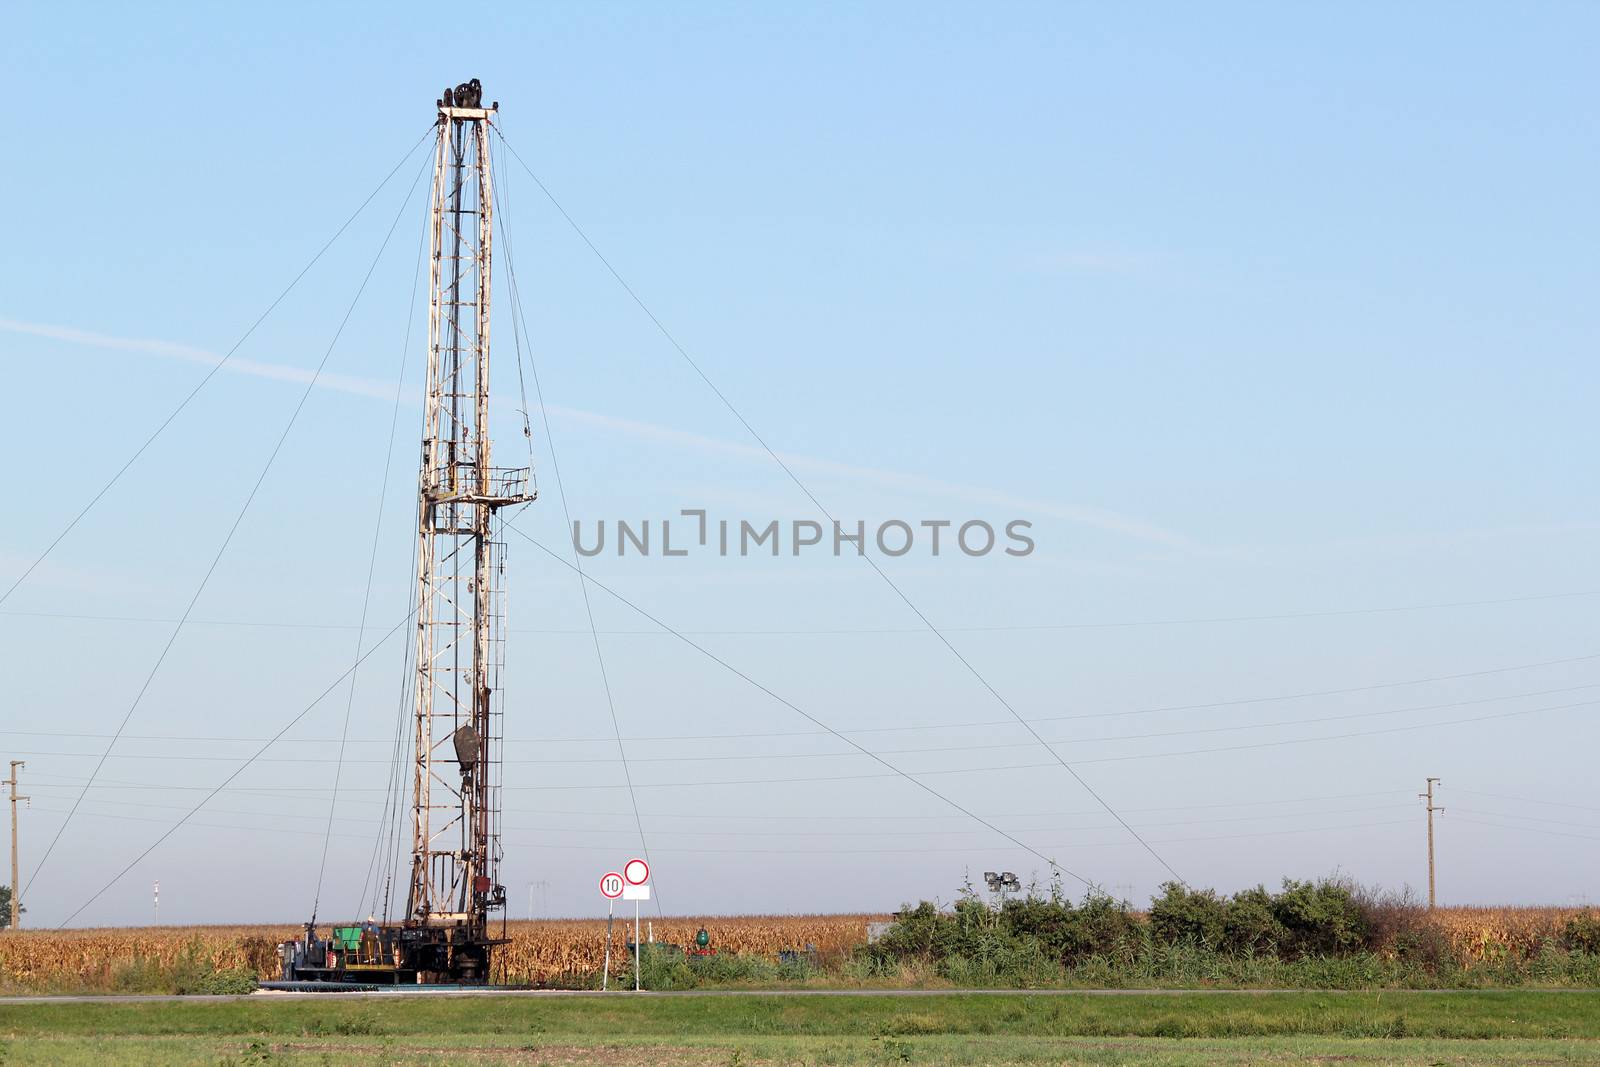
(1518, 1027)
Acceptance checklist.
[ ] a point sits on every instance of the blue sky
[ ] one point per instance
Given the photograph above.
(1259, 314)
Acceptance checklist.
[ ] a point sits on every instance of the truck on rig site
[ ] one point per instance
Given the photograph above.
(446, 934)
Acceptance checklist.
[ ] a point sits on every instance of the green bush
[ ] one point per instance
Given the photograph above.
(916, 932)
(1321, 918)
(1183, 914)
(140, 975)
(1324, 934)
(234, 982)
(1018, 963)
(797, 970)
(1582, 933)
(1104, 927)
(661, 967)
(665, 967)
(190, 974)
(1250, 925)
(1012, 938)
(731, 967)
(1047, 920)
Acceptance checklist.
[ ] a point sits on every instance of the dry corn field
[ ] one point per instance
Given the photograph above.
(1487, 933)
(566, 950)
(540, 951)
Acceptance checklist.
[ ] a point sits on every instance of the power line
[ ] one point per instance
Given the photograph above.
(279, 795)
(1528, 800)
(561, 491)
(276, 812)
(956, 770)
(920, 851)
(1305, 695)
(237, 771)
(896, 772)
(1278, 724)
(947, 832)
(742, 756)
(233, 529)
(387, 831)
(1528, 818)
(802, 713)
(1098, 759)
(1275, 802)
(589, 831)
(290, 792)
(859, 631)
(559, 846)
(1528, 829)
(943, 639)
(898, 831)
(372, 559)
(1347, 736)
(206, 379)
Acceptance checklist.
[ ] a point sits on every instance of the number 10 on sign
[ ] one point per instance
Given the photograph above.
(611, 888)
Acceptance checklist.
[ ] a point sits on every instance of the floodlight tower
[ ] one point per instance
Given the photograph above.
(455, 855)
(1002, 884)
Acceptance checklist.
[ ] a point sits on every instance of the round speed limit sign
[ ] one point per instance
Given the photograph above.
(611, 885)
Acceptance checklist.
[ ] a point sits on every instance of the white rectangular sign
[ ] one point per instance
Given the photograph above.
(636, 892)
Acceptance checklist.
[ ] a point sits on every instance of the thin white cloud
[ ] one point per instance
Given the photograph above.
(281, 372)
(1097, 518)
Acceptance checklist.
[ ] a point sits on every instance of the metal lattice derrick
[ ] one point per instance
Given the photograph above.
(456, 792)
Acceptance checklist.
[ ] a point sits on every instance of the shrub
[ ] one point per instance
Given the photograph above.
(1048, 920)
(1423, 944)
(1582, 933)
(660, 967)
(1250, 925)
(916, 932)
(794, 967)
(235, 981)
(1321, 918)
(1018, 962)
(1396, 921)
(190, 973)
(1182, 914)
(1021, 929)
(1104, 927)
(1317, 934)
(140, 975)
(731, 967)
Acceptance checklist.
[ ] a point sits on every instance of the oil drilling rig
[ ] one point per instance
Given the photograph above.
(446, 935)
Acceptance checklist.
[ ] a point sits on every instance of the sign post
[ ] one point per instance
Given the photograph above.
(611, 888)
(636, 873)
(605, 975)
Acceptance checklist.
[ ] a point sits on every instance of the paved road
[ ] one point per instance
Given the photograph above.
(269, 996)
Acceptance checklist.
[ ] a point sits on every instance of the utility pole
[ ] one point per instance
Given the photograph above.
(1428, 796)
(16, 886)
